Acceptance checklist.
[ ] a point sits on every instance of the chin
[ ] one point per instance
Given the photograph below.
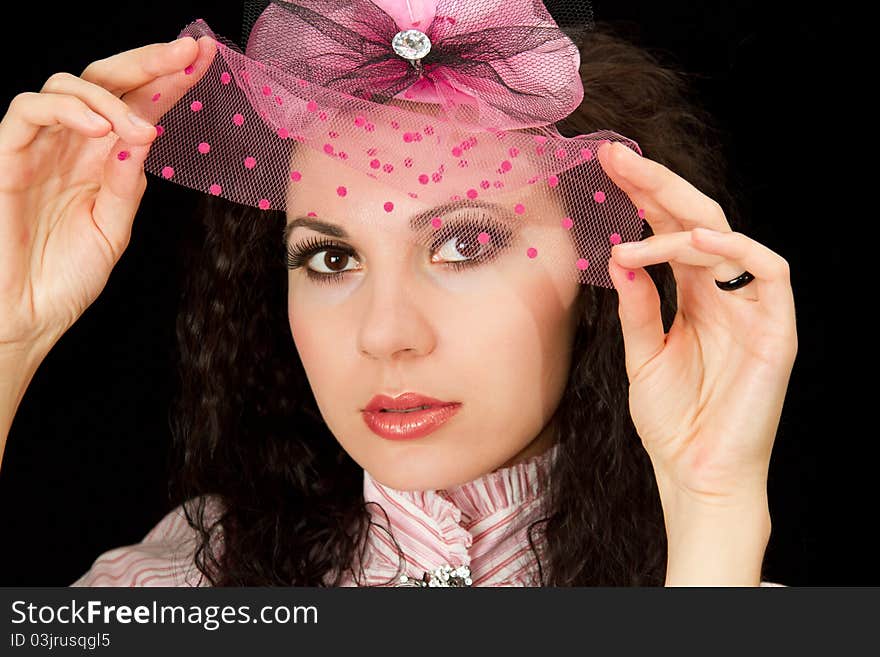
(409, 478)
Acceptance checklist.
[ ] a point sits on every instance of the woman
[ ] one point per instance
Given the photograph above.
(641, 460)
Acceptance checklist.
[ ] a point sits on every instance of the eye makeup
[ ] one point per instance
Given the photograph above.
(466, 226)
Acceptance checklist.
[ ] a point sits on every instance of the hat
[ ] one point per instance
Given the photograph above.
(447, 106)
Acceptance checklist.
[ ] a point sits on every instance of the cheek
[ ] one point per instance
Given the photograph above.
(518, 350)
(298, 325)
(317, 343)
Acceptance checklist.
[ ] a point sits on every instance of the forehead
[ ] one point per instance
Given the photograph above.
(382, 174)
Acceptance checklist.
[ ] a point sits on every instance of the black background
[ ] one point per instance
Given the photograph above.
(84, 469)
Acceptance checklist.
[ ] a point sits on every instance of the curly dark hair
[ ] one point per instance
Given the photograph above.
(248, 434)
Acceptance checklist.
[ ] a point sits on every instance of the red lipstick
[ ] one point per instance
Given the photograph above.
(406, 416)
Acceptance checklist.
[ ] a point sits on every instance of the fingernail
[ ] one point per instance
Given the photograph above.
(626, 150)
(626, 246)
(139, 122)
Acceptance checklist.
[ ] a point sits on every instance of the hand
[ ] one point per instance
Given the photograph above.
(71, 180)
(705, 398)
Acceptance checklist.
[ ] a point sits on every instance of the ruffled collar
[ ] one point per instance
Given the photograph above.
(481, 524)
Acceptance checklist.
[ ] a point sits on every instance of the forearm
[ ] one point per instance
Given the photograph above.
(717, 546)
(17, 368)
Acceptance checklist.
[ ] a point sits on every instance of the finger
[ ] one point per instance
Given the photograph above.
(705, 248)
(657, 217)
(154, 98)
(678, 248)
(119, 197)
(664, 192)
(116, 74)
(771, 270)
(126, 122)
(131, 69)
(638, 307)
(30, 111)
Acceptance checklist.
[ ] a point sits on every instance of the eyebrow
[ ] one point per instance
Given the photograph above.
(415, 224)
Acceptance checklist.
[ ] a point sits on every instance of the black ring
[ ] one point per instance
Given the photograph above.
(736, 283)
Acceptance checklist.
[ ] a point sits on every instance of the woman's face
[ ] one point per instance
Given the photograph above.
(495, 337)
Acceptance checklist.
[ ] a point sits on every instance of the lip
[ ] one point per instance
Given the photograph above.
(403, 401)
(406, 426)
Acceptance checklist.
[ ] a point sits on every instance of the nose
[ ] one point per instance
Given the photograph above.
(395, 322)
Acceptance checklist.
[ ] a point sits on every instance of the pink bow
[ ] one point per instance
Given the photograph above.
(499, 64)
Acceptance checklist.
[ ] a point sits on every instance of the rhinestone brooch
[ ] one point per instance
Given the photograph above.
(412, 45)
(442, 576)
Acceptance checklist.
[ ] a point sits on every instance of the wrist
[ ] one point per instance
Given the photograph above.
(717, 545)
(18, 364)
(718, 499)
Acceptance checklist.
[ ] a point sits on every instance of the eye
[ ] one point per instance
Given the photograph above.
(332, 260)
(458, 245)
(468, 244)
(469, 248)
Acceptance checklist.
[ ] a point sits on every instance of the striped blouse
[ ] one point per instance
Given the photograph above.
(482, 524)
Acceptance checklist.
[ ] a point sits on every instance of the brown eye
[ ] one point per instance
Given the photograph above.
(463, 248)
(459, 245)
(468, 247)
(333, 260)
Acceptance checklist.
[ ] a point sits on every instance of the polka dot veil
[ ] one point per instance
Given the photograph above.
(447, 107)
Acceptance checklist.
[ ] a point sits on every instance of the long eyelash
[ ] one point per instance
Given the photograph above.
(299, 255)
